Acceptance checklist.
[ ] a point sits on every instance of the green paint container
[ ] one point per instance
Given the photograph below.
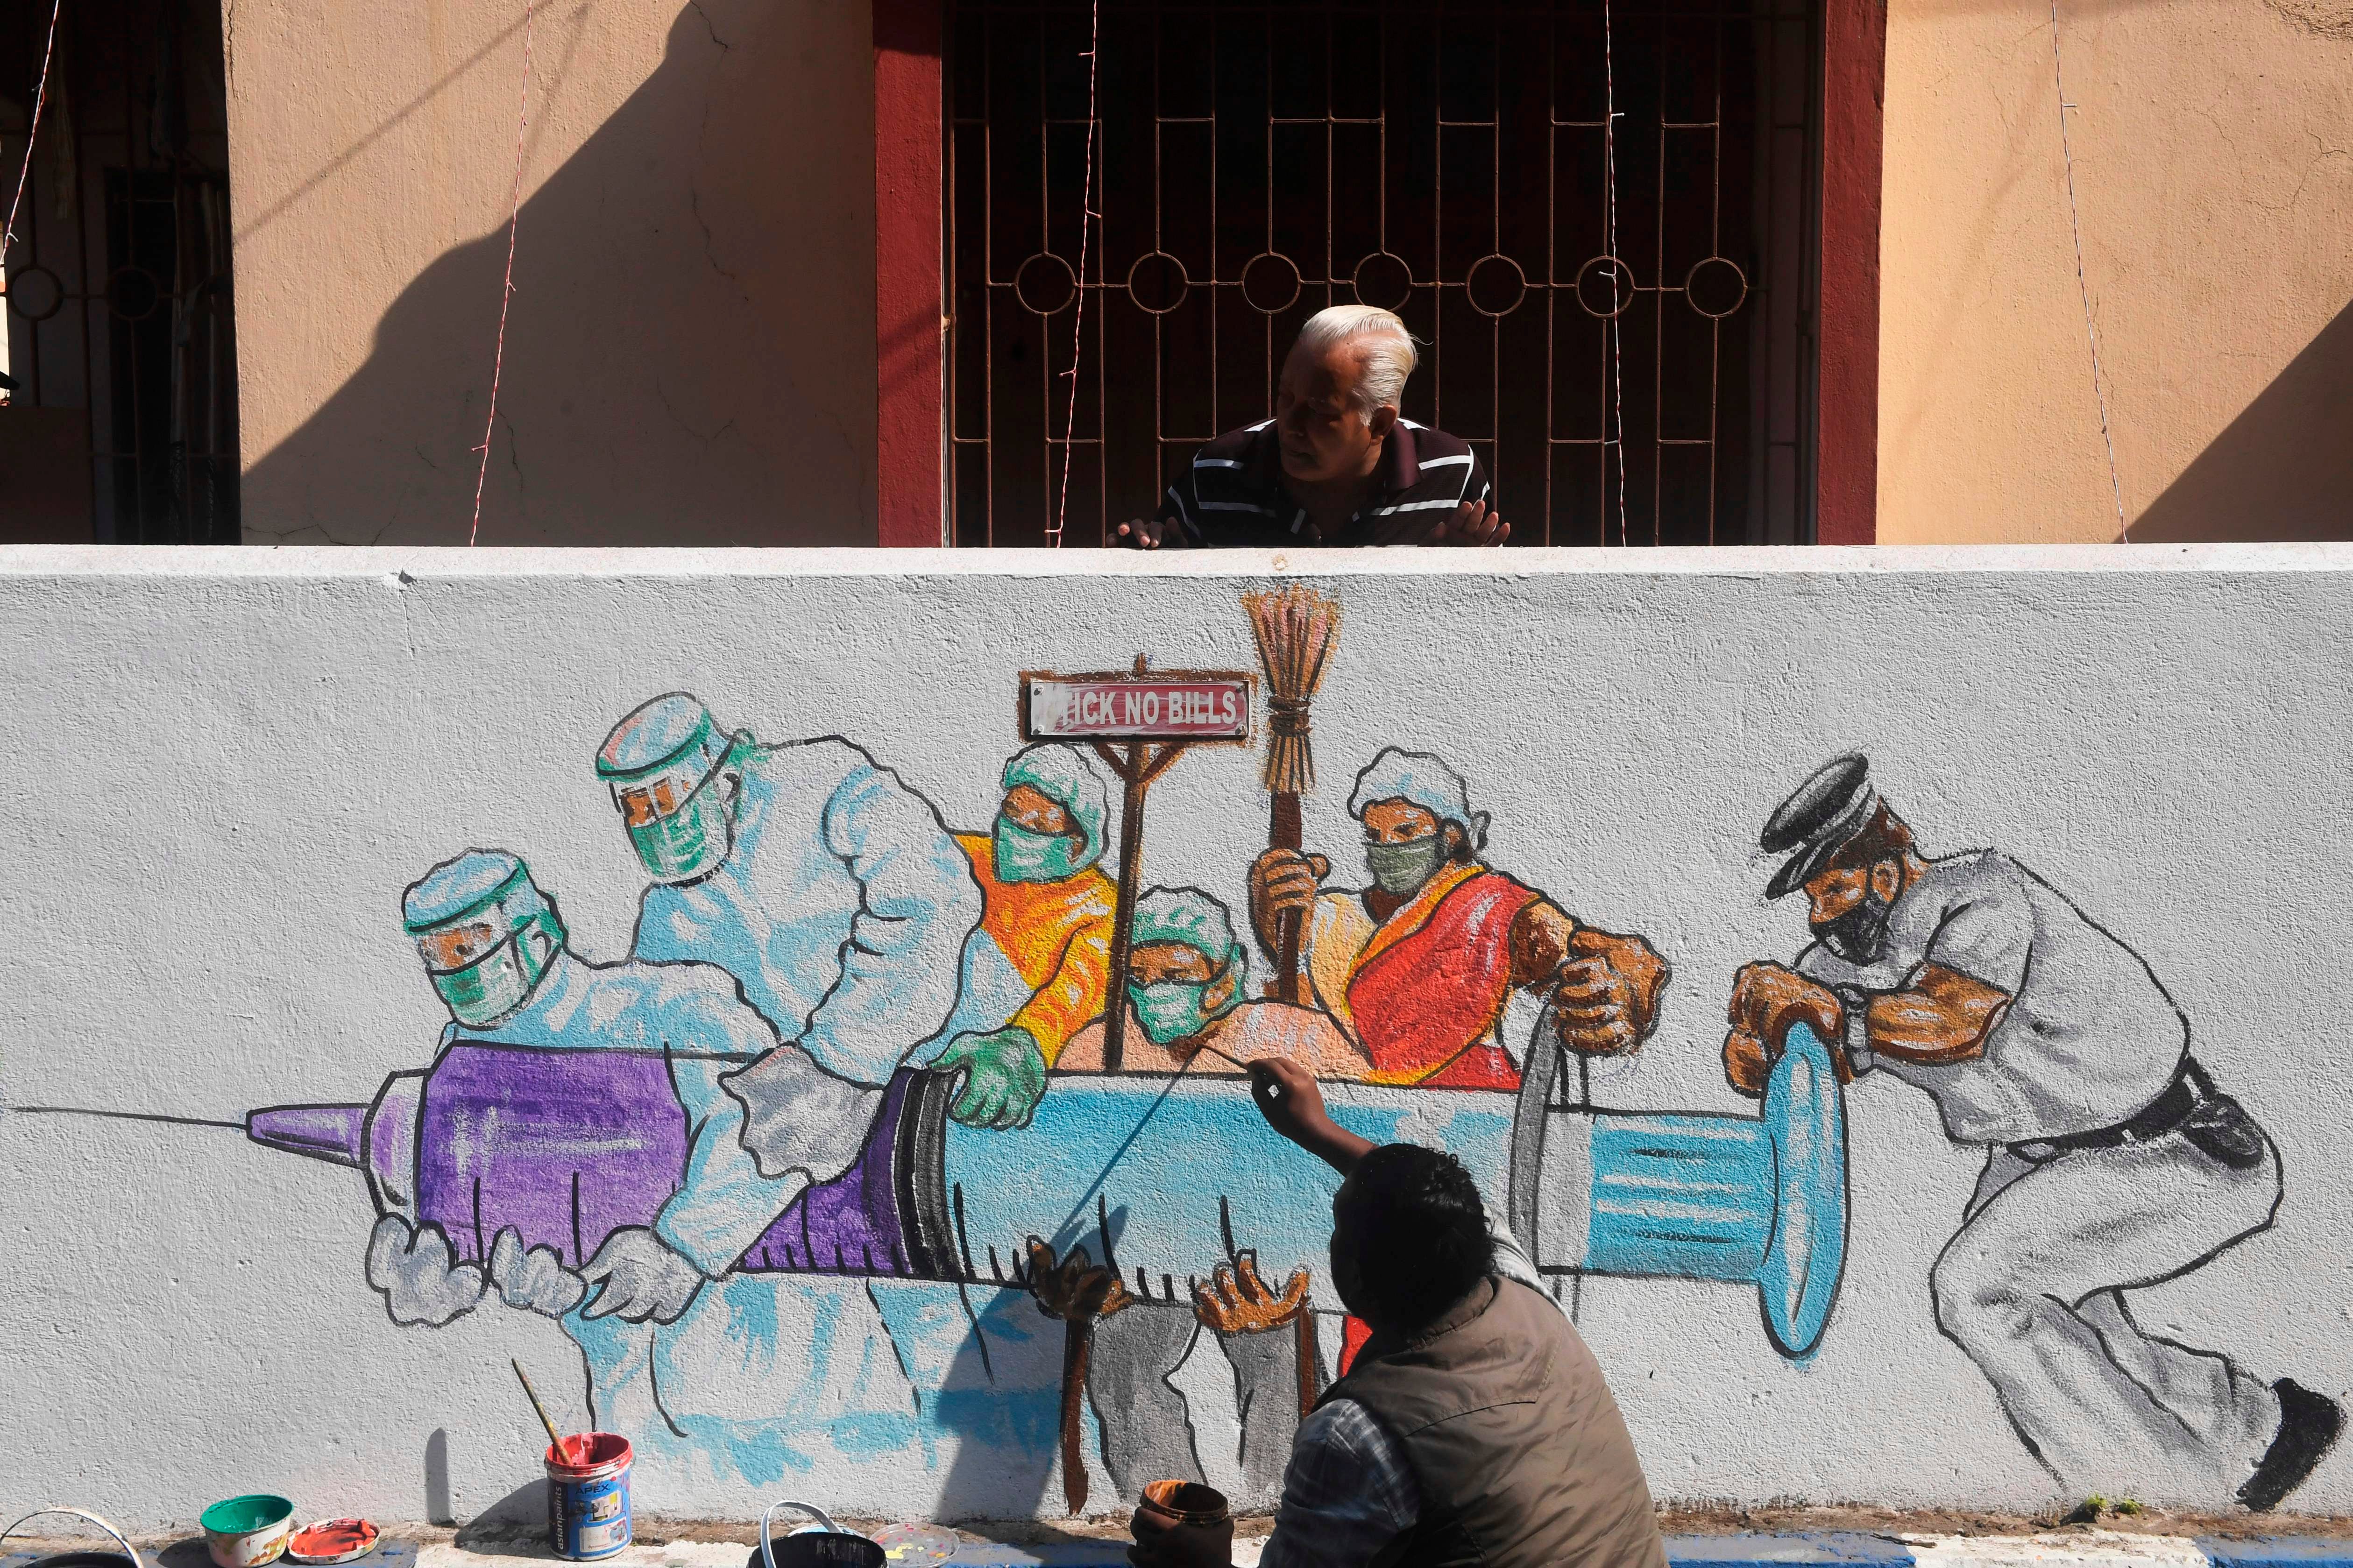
(248, 1532)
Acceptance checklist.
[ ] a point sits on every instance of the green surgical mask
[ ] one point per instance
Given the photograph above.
(1022, 855)
(499, 982)
(689, 841)
(1174, 1010)
(1401, 870)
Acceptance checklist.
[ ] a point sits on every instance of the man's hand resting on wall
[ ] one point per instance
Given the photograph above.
(1148, 534)
(1472, 525)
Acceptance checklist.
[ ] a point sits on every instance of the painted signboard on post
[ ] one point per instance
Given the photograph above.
(1135, 707)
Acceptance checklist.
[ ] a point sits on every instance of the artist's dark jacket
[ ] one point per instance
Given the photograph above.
(1523, 1459)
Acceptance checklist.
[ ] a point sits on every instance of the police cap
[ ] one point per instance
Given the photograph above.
(1818, 820)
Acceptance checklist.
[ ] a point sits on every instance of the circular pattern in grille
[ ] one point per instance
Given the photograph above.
(133, 293)
(1270, 282)
(1495, 285)
(1157, 283)
(1383, 278)
(1605, 287)
(35, 294)
(1045, 284)
(1715, 286)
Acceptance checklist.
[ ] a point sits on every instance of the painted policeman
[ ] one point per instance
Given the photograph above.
(1036, 970)
(2112, 1160)
(683, 1352)
(829, 888)
(1418, 967)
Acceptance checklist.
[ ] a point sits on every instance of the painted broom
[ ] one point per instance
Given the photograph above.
(1296, 627)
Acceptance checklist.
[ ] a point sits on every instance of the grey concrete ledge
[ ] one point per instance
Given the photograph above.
(350, 561)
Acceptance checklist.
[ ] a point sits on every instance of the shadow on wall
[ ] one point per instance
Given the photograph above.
(689, 357)
(2283, 470)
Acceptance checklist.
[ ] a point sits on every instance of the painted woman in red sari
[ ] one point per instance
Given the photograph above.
(1418, 967)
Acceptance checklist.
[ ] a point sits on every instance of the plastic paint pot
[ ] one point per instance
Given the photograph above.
(828, 1549)
(1179, 1505)
(588, 1496)
(249, 1530)
(826, 1546)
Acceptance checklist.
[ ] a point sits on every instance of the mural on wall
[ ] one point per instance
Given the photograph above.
(886, 1133)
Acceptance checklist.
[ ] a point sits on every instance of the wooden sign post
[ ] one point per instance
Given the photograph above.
(1137, 721)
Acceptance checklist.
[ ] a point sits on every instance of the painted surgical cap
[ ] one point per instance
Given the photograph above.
(1418, 779)
(1187, 917)
(1064, 776)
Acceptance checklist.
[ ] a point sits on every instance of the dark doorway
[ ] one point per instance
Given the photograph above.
(1258, 162)
(121, 339)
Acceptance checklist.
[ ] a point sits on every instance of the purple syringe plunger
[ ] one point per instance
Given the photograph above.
(328, 1133)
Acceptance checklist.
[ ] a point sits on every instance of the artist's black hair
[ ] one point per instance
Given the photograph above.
(1418, 1230)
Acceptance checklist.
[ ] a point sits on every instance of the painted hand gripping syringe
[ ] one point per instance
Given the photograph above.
(568, 1147)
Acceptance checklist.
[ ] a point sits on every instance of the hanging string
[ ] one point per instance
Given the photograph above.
(1609, 249)
(1079, 320)
(506, 290)
(2083, 285)
(32, 133)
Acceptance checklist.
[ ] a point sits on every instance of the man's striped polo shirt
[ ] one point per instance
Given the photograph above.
(1232, 493)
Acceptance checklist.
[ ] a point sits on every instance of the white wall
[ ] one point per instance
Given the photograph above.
(227, 764)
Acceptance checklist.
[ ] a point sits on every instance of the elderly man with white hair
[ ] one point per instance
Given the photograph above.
(1337, 465)
(1418, 968)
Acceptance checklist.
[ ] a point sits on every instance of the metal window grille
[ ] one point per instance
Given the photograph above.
(120, 321)
(1260, 162)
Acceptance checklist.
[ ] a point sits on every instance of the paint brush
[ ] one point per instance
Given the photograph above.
(1201, 1046)
(533, 1394)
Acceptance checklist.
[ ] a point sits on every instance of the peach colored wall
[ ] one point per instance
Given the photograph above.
(2214, 151)
(689, 358)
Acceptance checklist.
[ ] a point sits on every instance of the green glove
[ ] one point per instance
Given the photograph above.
(1004, 1076)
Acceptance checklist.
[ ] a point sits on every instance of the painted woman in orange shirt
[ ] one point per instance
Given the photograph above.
(1037, 967)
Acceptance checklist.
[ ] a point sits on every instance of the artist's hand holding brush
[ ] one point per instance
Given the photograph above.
(1286, 1095)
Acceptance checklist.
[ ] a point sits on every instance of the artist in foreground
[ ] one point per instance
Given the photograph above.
(1337, 465)
(1474, 1426)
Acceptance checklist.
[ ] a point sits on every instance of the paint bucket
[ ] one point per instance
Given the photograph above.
(588, 1496)
(828, 1546)
(128, 1558)
(248, 1532)
(1184, 1504)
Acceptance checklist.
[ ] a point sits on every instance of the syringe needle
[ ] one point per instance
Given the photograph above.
(119, 1116)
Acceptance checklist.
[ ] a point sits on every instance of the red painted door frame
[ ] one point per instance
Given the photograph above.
(1846, 425)
(911, 316)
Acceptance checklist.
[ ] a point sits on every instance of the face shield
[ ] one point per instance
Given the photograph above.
(666, 765)
(487, 959)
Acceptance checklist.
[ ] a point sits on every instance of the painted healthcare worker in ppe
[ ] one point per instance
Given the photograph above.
(689, 1359)
(829, 888)
(1188, 983)
(1035, 969)
(1187, 975)
(1418, 967)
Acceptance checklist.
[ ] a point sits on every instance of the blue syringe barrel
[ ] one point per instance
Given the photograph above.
(1159, 1177)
